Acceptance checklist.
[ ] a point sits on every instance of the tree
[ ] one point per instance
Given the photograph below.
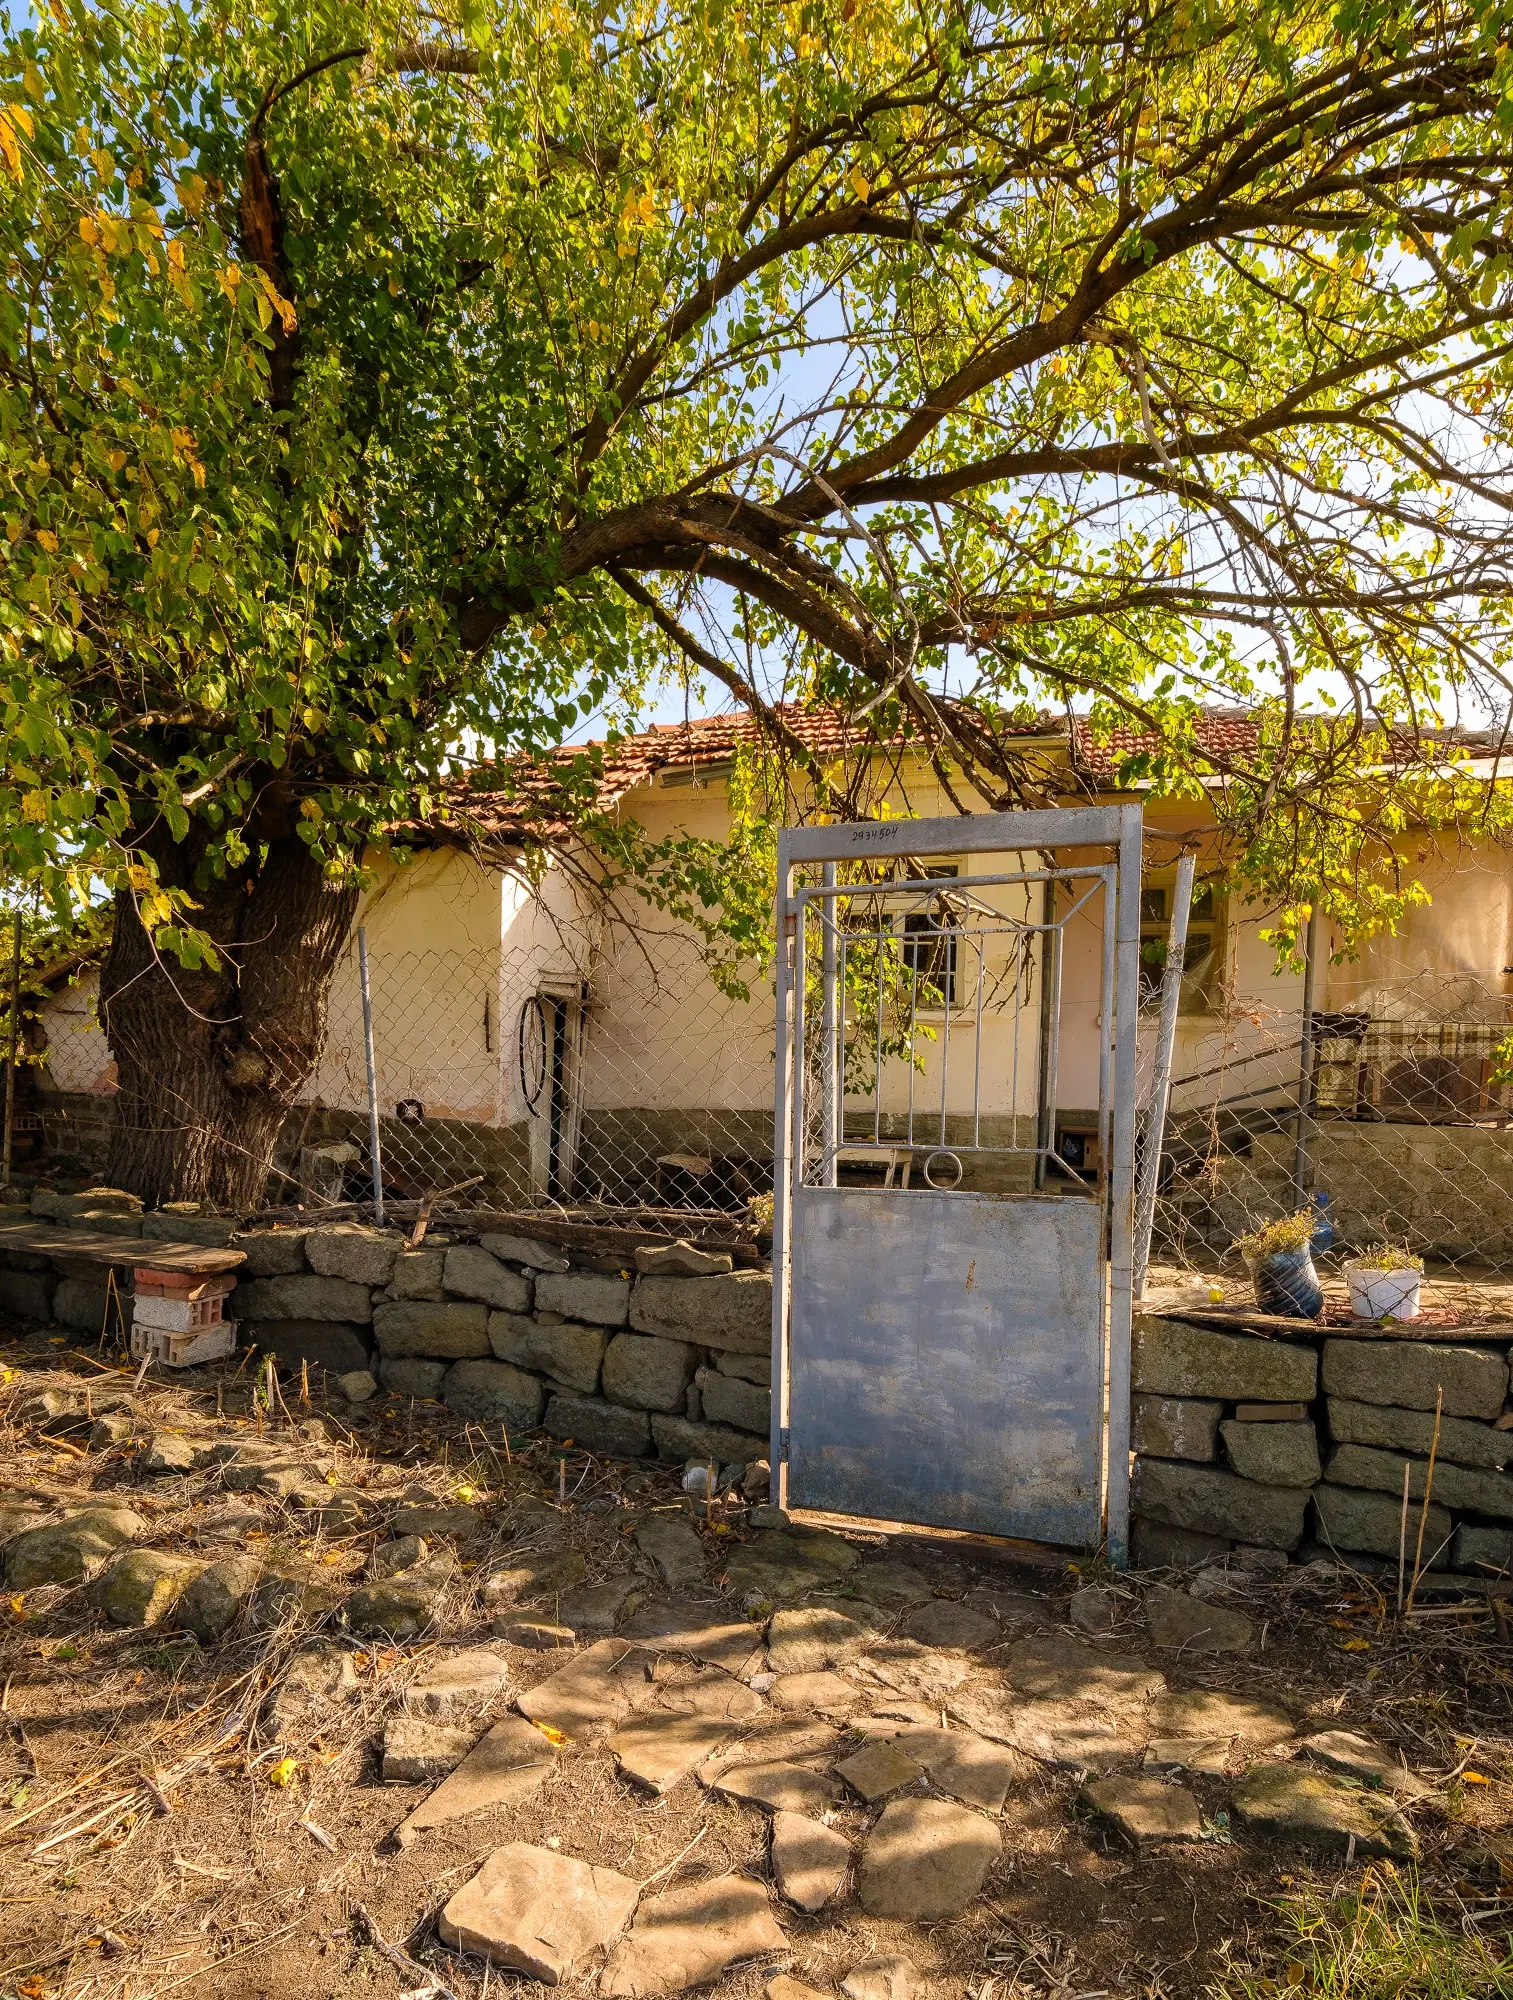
(366, 381)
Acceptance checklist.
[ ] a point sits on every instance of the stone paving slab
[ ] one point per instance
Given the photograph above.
(775, 1739)
(1144, 1809)
(925, 1860)
(688, 1936)
(955, 1627)
(703, 1631)
(789, 1788)
(458, 1683)
(881, 1978)
(536, 1911)
(1195, 1712)
(510, 1763)
(825, 1693)
(1358, 1757)
(1064, 1669)
(961, 1763)
(810, 1862)
(592, 1692)
(811, 1637)
(878, 1769)
(1309, 1808)
(660, 1747)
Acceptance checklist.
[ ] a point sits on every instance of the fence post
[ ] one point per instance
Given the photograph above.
(374, 1151)
(1305, 1061)
(7, 1147)
(1161, 1080)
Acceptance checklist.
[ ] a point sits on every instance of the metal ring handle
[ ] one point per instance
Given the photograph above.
(943, 1153)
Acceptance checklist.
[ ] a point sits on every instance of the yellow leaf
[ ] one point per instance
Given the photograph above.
(10, 145)
(282, 1772)
(1474, 1778)
(465, 1493)
(48, 540)
(552, 1735)
(1354, 1645)
(860, 185)
(34, 806)
(88, 229)
(18, 1606)
(31, 80)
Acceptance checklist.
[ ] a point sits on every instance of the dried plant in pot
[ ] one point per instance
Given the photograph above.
(1280, 1258)
(1385, 1281)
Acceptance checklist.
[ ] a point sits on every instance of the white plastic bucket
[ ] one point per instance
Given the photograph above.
(1379, 1294)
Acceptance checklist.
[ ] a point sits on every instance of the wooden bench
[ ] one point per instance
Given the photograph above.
(45, 1239)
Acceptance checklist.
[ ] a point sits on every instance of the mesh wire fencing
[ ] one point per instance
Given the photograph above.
(606, 1074)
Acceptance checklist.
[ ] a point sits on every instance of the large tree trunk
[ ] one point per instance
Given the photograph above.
(210, 1061)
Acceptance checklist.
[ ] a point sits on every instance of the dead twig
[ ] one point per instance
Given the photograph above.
(400, 1960)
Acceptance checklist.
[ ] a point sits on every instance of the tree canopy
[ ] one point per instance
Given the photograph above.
(368, 378)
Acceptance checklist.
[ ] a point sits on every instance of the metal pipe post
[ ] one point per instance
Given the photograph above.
(829, 1093)
(1300, 1135)
(1161, 1080)
(1045, 1106)
(8, 1145)
(374, 1150)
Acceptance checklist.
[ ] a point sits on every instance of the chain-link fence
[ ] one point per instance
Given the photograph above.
(1395, 1109)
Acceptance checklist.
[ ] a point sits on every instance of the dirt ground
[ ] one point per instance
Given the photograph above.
(216, 1879)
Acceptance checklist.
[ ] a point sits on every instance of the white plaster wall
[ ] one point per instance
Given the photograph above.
(78, 1055)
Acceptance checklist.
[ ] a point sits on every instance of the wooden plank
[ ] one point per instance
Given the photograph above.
(1269, 1325)
(41, 1239)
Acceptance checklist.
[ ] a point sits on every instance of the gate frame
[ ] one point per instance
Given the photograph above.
(1120, 827)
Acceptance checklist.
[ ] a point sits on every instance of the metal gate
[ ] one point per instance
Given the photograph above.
(956, 1025)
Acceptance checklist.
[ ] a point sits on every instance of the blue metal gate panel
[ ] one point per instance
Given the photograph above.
(946, 1361)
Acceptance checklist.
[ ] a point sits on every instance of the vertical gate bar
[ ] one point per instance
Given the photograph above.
(945, 1028)
(1305, 1061)
(1107, 1013)
(1121, 1187)
(877, 1058)
(799, 1104)
(782, 1193)
(375, 1154)
(826, 908)
(1149, 1165)
(13, 1039)
(977, 1048)
(1045, 1109)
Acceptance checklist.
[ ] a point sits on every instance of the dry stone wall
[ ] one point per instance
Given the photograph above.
(502, 1329)
(1301, 1446)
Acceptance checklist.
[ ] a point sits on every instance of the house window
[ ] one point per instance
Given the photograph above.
(928, 948)
(1203, 959)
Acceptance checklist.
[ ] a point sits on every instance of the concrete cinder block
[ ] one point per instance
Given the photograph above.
(1409, 1375)
(1215, 1502)
(1275, 1454)
(1171, 1358)
(1175, 1427)
(731, 1311)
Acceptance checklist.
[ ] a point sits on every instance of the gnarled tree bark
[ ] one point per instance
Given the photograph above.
(210, 1061)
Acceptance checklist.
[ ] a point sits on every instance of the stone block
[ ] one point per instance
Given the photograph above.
(493, 1392)
(1156, 1545)
(451, 1331)
(647, 1373)
(606, 1428)
(301, 1296)
(745, 1367)
(1174, 1426)
(470, 1272)
(1458, 1486)
(211, 1232)
(1408, 1375)
(590, 1295)
(1171, 1358)
(142, 1587)
(417, 1274)
(217, 1597)
(323, 1343)
(1218, 1503)
(524, 1250)
(733, 1311)
(64, 1551)
(728, 1400)
(358, 1387)
(1461, 1441)
(682, 1260)
(27, 1295)
(1478, 1550)
(116, 1202)
(1276, 1454)
(679, 1440)
(271, 1253)
(567, 1351)
(104, 1222)
(348, 1250)
(1354, 1521)
(402, 1376)
(81, 1303)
